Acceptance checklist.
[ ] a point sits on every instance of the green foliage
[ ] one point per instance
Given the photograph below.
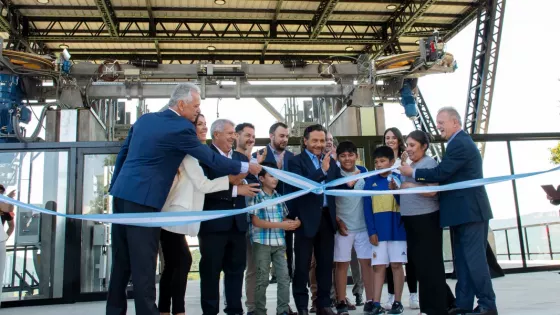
(194, 275)
(555, 154)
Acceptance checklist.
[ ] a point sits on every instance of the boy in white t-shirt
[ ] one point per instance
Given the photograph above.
(352, 232)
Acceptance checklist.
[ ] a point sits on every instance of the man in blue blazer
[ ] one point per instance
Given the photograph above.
(465, 211)
(317, 213)
(143, 175)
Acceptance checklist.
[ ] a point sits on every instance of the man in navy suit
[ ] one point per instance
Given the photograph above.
(144, 170)
(277, 153)
(317, 213)
(465, 211)
(222, 241)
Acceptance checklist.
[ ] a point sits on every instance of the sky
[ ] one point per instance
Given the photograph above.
(526, 99)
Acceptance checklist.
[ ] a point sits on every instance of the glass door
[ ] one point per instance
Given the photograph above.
(95, 171)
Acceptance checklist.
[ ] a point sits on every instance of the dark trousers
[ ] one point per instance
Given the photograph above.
(134, 253)
(424, 238)
(173, 281)
(473, 274)
(222, 251)
(323, 246)
(411, 280)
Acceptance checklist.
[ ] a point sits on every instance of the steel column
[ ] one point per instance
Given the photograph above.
(426, 123)
(483, 69)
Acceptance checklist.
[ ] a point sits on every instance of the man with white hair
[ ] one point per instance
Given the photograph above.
(143, 175)
(222, 241)
(465, 211)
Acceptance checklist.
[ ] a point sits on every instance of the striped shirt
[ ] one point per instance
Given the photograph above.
(274, 213)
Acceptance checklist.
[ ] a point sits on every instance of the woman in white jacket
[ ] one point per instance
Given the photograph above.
(186, 194)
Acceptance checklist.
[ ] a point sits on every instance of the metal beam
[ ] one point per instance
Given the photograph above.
(11, 23)
(402, 19)
(272, 29)
(414, 32)
(326, 7)
(215, 19)
(426, 123)
(108, 15)
(86, 71)
(179, 51)
(151, 17)
(164, 90)
(483, 69)
(188, 39)
(461, 23)
(276, 114)
(207, 9)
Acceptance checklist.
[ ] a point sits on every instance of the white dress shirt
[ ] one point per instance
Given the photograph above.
(229, 156)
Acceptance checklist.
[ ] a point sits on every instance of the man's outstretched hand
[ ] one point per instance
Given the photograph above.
(406, 170)
(254, 168)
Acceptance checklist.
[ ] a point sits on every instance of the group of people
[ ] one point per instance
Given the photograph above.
(164, 165)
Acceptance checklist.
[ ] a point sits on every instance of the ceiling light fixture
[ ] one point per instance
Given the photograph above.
(391, 7)
(220, 2)
(63, 46)
(211, 48)
(349, 48)
(43, 1)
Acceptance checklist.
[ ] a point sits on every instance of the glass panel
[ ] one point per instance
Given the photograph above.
(96, 236)
(537, 213)
(35, 252)
(507, 251)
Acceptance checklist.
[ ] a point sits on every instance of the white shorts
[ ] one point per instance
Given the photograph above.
(343, 246)
(389, 252)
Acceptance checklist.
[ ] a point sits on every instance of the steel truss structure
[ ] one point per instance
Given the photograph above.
(426, 123)
(316, 30)
(484, 64)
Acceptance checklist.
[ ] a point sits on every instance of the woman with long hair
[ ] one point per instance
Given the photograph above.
(186, 194)
(424, 236)
(393, 139)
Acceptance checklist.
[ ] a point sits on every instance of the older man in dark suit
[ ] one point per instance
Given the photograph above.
(144, 170)
(465, 211)
(222, 241)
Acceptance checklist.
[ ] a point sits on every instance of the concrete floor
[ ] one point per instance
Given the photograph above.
(520, 294)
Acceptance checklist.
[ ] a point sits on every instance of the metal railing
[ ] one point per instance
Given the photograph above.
(550, 252)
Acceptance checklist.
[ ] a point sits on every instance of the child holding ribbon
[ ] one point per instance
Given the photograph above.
(267, 235)
(386, 233)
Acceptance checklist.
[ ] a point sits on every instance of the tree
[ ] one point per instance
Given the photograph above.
(555, 154)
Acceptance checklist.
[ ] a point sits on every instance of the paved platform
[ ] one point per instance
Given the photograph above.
(520, 294)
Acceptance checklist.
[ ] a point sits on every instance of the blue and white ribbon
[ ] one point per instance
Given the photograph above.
(160, 219)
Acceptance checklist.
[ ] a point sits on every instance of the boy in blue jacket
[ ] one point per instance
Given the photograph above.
(386, 232)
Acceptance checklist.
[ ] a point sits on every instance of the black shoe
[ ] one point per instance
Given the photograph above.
(368, 308)
(458, 311)
(377, 309)
(250, 313)
(273, 280)
(303, 312)
(481, 311)
(359, 300)
(342, 308)
(325, 311)
(397, 308)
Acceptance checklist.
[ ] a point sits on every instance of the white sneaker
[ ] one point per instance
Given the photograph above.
(414, 302)
(389, 304)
